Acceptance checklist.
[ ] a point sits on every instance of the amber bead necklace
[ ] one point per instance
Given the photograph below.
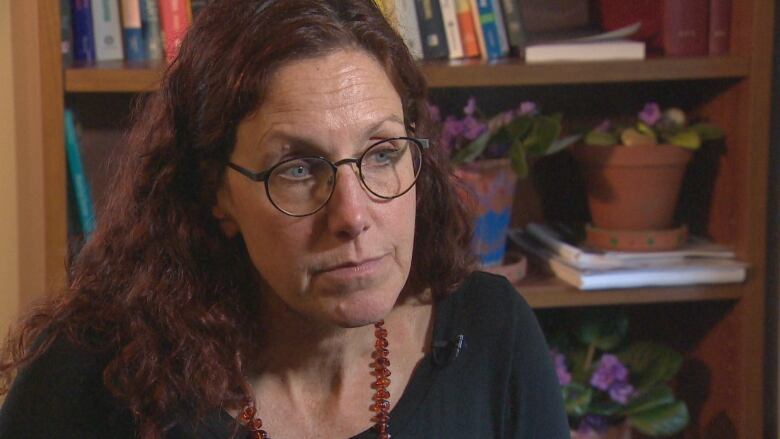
(381, 405)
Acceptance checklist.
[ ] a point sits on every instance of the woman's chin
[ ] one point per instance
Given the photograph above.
(360, 312)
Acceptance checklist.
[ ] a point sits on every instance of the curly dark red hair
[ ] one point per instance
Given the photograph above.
(165, 293)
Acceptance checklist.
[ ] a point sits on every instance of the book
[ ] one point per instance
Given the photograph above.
(66, 33)
(174, 22)
(408, 26)
(485, 17)
(480, 34)
(585, 51)
(720, 21)
(566, 242)
(132, 32)
(449, 14)
(150, 24)
(78, 177)
(689, 271)
(684, 27)
(468, 32)
(107, 30)
(432, 33)
(503, 39)
(83, 34)
(514, 25)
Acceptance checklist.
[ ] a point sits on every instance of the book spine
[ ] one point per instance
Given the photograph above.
(408, 26)
(685, 25)
(514, 24)
(434, 39)
(503, 40)
(77, 175)
(150, 24)
(478, 29)
(174, 22)
(83, 35)
(66, 33)
(720, 20)
(108, 30)
(132, 31)
(449, 14)
(487, 20)
(468, 35)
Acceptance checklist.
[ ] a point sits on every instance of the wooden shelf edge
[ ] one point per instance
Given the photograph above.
(132, 78)
(553, 293)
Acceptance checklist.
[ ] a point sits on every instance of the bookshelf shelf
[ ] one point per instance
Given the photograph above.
(132, 78)
(546, 292)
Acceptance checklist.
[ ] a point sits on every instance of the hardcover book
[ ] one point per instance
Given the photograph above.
(132, 32)
(408, 26)
(150, 24)
(685, 25)
(468, 31)
(83, 34)
(449, 14)
(432, 33)
(720, 22)
(174, 22)
(107, 30)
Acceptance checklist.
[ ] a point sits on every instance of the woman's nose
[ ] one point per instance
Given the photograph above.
(348, 208)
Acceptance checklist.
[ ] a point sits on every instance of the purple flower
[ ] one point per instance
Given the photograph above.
(564, 377)
(592, 424)
(650, 114)
(609, 371)
(621, 392)
(473, 128)
(604, 126)
(434, 112)
(471, 107)
(527, 107)
(450, 131)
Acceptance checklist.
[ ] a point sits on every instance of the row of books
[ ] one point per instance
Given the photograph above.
(541, 31)
(561, 251)
(132, 30)
(441, 29)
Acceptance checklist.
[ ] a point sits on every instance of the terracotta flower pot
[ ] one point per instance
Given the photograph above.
(621, 431)
(633, 187)
(489, 191)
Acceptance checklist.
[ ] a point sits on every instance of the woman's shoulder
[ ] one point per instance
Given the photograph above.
(489, 293)
(64, 387)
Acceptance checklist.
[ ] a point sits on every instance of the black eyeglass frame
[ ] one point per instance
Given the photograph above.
(422, 143)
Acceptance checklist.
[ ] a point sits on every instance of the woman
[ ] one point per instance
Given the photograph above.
(280, 240)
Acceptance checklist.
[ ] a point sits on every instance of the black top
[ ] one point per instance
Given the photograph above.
(499, 384)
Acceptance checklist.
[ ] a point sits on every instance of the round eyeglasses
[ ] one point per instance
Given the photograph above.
(301, 186)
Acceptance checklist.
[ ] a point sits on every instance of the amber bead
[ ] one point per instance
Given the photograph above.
(381, 394)
(257, 424)
(380, 353)
(380, 333)
(381, 343)
(383, 361)
(381, 382)
(381, 372)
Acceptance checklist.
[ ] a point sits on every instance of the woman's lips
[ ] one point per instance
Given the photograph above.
(349, 270)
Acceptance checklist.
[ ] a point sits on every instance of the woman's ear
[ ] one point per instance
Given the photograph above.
(222, 211)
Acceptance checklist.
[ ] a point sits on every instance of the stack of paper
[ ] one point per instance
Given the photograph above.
(697, 262)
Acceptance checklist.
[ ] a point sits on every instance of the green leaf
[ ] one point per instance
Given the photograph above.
(653, 397)
(545, 130)
(473, 150)
(519, 158)
(600, 138)
(663, 420)
(688, 138)
(576, 399)
(652, 363)
(647, 131)
(603, 329)
(707, 131)
(605, 408)
(576, 362)
(519, 127)
(561, 144)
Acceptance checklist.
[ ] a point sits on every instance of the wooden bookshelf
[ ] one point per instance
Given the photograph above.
(733, 91)
(141, 77)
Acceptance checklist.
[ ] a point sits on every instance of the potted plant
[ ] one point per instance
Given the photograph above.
(489, 154)
(633, 171)
(610, 386)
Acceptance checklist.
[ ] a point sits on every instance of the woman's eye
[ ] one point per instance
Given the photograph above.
(383, 156)
(296, 171)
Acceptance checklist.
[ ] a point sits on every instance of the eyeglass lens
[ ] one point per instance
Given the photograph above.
(387, 169)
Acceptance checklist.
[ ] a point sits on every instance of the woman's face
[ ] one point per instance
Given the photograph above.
(347, 263)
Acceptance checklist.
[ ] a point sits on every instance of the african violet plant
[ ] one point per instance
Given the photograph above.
(514, 133)
(606, 381)
(653, 126)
